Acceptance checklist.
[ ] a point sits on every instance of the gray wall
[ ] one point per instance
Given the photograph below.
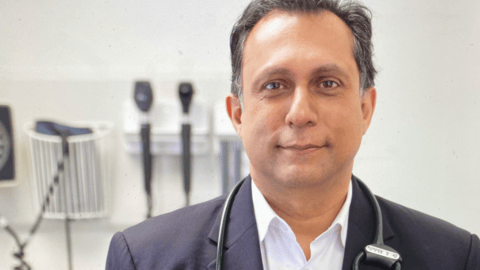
(77, 60)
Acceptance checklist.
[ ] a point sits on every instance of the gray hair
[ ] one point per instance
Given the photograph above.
(355, 15)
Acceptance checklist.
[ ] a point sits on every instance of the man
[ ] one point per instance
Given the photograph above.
(302, 98)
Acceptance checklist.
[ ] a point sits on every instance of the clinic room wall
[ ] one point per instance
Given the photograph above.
(78, 61)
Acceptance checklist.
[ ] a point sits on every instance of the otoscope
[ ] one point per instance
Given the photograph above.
(186, 92)
(144, 99)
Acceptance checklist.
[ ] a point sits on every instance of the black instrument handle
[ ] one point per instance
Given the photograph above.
(147, 158)
(186, 156)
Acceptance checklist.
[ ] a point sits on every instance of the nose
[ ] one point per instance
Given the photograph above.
(302, 111)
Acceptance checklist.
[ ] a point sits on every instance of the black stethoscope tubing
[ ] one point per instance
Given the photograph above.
(391, 259)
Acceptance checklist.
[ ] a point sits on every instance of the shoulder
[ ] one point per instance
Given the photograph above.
(402, 218)
(186, 222)
(180, 220)
(422, 238)
(177, 237)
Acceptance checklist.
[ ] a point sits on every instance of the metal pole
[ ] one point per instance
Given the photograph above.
(224, 166)
(62, 175)
(237, 162)
(69, 242)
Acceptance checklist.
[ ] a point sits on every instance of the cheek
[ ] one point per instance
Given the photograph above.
(346, 125)
(260, 126)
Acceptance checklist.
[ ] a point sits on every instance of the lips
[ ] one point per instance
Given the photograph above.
(301, 147)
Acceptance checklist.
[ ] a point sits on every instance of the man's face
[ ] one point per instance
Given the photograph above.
(303, 117)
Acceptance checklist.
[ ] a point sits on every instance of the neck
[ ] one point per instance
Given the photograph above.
(309, 211)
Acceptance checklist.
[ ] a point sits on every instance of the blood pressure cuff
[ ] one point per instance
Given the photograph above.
(51, 128)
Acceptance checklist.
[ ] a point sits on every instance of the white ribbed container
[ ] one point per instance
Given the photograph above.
(88, 170)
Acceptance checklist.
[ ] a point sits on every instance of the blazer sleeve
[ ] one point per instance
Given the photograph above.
(473, 261)
(119, 256)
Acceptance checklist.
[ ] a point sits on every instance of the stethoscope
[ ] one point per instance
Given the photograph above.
(376, 253)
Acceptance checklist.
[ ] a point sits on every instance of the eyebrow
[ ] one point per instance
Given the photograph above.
(329, 69)
(318, 71)
(269, 72)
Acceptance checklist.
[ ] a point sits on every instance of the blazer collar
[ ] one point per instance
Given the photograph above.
(361, 225)
(241, 243)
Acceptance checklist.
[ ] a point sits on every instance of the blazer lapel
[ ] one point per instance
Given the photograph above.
(361, 226)
(242, 249)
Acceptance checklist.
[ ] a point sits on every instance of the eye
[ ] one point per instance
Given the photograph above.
(328, 84)
(273, 85)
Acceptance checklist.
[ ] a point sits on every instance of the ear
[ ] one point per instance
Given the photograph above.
(234, 110)
(368, 102)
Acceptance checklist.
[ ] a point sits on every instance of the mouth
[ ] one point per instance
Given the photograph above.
(301, 148)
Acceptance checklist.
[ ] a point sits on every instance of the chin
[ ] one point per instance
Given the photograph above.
(300, 178)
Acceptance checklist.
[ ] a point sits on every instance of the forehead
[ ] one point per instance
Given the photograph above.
(283, 20)
(298, 38)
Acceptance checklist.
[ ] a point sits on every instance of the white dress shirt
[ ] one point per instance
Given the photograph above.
(280, 249)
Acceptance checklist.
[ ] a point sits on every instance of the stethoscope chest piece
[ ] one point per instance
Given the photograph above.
(379, 254)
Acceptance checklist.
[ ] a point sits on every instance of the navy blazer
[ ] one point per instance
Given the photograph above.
(187, 238)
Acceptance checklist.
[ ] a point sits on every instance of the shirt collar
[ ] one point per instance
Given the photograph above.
(264, 214)
(342, 217)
